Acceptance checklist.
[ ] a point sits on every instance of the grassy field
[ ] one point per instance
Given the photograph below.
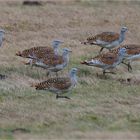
(99, 108)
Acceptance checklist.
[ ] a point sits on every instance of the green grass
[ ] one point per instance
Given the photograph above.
(98, 104)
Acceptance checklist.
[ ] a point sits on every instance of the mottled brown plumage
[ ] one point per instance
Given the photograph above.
(37, 52)
(41, 51)
(107, 60)
(131, 49)
(105, 36)
(54, 83)
(59, 85)
(54, 63)
(50, 60)
(108, 40)
(132, 53)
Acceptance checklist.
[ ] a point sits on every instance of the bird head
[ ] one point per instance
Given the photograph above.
(73, 76)
(66, 51)
(74, 70)
(122, 51)
(124, 29)
(2, 31)
(56, 43)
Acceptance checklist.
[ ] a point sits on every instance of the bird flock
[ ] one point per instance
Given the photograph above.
(117, 53)
(53, 60)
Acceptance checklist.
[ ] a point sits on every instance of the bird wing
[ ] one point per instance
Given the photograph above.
(53, 60)
(61, 83)
(107, 58)
(38, 52)
(104, 37)
(132, 49)
(54, 83)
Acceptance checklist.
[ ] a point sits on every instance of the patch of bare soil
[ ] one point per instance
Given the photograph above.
(129, 81)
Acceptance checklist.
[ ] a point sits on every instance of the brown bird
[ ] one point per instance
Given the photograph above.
(53, 64)
(107, 40)
(39, 52)
(59, 85)
(132, 53)
(107, 60)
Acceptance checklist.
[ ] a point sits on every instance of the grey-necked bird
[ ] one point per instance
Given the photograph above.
(53, 64)
(108, 40)
(41, 51)
(107, 60)
(132, 53)
(59, 85)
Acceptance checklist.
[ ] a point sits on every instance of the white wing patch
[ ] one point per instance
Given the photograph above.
(95, 62)
(100, 42)
(137, 56)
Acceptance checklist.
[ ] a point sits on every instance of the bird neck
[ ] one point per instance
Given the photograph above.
(1, 38)
(120, 57)
(73, 78)
(1, 35)
(65, 59)
(56, 51)
(122, 36)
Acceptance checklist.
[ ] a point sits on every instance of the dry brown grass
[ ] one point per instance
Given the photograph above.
(98, 107)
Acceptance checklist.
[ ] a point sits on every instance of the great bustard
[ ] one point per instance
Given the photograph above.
(132, 53)
(107, 40)
(41, 51)
(107, 60)
(59, 85)
(53, 64)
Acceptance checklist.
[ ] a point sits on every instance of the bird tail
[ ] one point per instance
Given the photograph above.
(84, 62)
(33, 84)
(84, 42)
(18, 53)
(89, 43)
(37, 86)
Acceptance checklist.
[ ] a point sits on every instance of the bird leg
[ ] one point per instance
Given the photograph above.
(101, 50)
(2, 77)
(128, 65)
(31, 63)
(56, 74)
(58, 96)
(48, 73)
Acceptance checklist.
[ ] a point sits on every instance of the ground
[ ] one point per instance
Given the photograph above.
(100, 108)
